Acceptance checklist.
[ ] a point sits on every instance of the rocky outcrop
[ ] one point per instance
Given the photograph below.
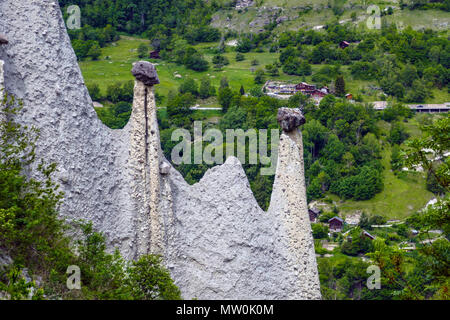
(242, 4)
(290, 119)
(213, 236)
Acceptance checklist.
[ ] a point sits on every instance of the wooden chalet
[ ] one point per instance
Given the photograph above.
(305, 88)
(344, 44)
(318, 94)
(336, 224)
(313, 214)
(368, 235)
(155, 55)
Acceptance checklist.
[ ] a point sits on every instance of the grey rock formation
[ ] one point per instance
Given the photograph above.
(213, 236)
(288, 205)
(5, 260)
(241, 4)
(290, 119)
(145, 72)
(2, 79)
(282, 19)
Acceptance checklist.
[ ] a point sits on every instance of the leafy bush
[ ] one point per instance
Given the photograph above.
(189, 86)
(94, 91)
(319, 231)
(143, 50)
(357, 244)
(148, 280)
(206, 89)
(219, 59)
(259, 76)
(240, 57)
(244, 45)
(119, 91)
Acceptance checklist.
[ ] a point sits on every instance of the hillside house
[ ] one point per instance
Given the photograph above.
(305, 88)
(318, 94)
(155, 55)
(313, 214)
(283, 90)
(336, 224)
(368, 235)
(344, 44)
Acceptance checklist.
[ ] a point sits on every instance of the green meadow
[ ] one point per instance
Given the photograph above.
(116, 61)
(400, 197)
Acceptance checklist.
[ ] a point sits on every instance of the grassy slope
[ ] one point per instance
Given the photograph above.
(118, 68)
(400, 196)
(123, 54)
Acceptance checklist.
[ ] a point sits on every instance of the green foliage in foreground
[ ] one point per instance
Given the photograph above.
(420, 274)
(423, 274)
(343, 278)
(33, 235)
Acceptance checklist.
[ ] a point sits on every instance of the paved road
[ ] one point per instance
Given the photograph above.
(207, 108)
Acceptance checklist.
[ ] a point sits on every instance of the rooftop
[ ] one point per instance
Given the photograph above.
(336, 218)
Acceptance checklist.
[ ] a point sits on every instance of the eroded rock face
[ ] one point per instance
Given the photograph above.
(215, 240)
(290, 119)
(1, 78)
(40, 68)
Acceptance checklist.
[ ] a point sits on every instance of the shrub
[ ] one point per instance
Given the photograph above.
(121, 108)
(220, 60)
(259, 76)
(240, 57)
(319, 231)
(206, 89)
(148, 280)
(94, 91)
(94, 51)
(143, 50)
(120, 92)
(244, 45)
(189, 85)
